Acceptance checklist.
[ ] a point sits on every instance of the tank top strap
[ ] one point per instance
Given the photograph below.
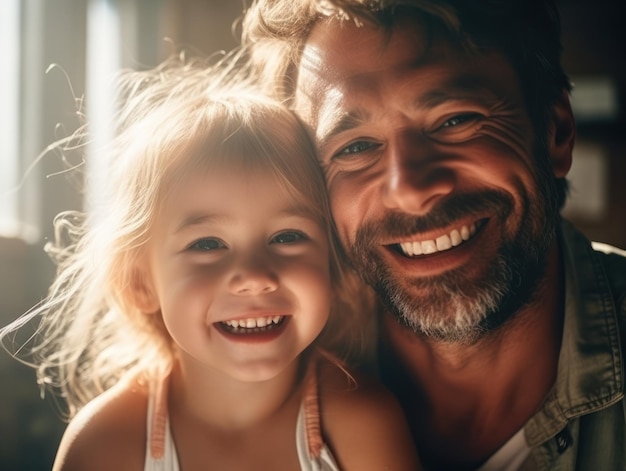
(311, 406)
(158, 424)
(311, 401)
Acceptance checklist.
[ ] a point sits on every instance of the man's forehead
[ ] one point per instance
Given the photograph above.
(341, 56)
(335, 54)
(333, 42)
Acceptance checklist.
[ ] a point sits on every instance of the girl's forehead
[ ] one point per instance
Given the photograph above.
(286, 168)
(235, 194)
(241, 173)
(209, 164)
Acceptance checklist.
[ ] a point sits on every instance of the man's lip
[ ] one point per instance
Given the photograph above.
(439, 241)
(438, 262)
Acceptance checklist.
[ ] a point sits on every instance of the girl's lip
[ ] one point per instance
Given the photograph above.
(255, 334)
(253, 321)
(235, 313)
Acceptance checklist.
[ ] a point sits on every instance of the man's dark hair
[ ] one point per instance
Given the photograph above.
(527, 32)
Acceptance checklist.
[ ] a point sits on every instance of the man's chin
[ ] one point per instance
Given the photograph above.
(441, 317)
(457, 307)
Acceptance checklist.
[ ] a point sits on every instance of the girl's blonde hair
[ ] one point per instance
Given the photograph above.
(91, 329)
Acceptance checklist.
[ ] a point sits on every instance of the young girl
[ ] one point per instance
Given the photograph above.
(190, 323)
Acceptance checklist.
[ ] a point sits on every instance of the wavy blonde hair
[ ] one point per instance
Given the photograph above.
(91, 329)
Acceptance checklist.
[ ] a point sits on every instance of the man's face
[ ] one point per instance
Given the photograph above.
(430, 161)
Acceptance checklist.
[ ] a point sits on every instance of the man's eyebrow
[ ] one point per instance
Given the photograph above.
(456, 89)
(341, 122)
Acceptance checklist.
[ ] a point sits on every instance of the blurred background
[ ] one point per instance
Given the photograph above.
(89, 39)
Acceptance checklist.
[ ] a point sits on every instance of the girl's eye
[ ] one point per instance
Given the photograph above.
(288, 237)
(357, 147)
(207, 245)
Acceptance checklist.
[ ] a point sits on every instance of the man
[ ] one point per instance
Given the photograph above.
(445, 132)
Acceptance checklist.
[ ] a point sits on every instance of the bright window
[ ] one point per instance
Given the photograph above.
(9, 117)
(87, 41)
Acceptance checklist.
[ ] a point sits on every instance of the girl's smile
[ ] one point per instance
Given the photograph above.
(260, 329)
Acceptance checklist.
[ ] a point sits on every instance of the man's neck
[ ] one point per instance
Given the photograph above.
(465, 401)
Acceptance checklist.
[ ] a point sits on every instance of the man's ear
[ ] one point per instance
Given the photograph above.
(143, 293)
(561, 136)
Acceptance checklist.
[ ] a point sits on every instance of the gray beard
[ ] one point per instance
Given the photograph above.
(452, 307)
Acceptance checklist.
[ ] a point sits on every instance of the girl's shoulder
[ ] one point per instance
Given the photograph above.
(109, 432)
(348, 393)
(363, 422)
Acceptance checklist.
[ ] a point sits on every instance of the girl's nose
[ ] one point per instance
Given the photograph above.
(253, 278)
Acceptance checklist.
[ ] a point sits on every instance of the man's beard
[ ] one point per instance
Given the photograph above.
(453, 307)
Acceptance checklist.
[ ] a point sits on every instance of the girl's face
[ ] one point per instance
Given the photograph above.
(240, 273)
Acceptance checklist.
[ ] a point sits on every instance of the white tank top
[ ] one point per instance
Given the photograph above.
(510, 457)
(313, 453)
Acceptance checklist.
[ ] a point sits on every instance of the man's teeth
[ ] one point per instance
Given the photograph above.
(254, 322)
(441, 243)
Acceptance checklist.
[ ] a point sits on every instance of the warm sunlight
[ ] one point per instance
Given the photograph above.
(104, 53)
(9, 116)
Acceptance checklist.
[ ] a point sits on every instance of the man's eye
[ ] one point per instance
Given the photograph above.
(288, 237)
(207, 245)
(357, 147)
(459, 120)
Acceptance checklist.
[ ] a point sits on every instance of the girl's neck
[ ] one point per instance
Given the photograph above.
(224, 402)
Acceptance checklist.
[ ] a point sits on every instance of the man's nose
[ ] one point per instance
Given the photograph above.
(253, 275)
(415, 177)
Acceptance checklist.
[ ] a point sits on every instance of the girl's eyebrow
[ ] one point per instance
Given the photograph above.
(196, 219)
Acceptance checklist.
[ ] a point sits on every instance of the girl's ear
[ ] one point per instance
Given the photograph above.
(561, 136)
(143, 293)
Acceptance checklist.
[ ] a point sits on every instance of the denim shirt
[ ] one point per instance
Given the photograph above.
(582, 424)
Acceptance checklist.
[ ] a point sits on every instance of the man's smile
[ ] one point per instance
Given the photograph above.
(445, 241)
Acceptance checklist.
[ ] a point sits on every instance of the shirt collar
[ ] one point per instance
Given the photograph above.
(589, 376)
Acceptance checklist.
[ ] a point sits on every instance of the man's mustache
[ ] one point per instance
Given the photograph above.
(400, 225)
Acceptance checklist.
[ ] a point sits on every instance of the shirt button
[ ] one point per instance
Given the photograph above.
(563, 440)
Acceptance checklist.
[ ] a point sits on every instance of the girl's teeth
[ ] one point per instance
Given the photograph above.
(253, 323)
